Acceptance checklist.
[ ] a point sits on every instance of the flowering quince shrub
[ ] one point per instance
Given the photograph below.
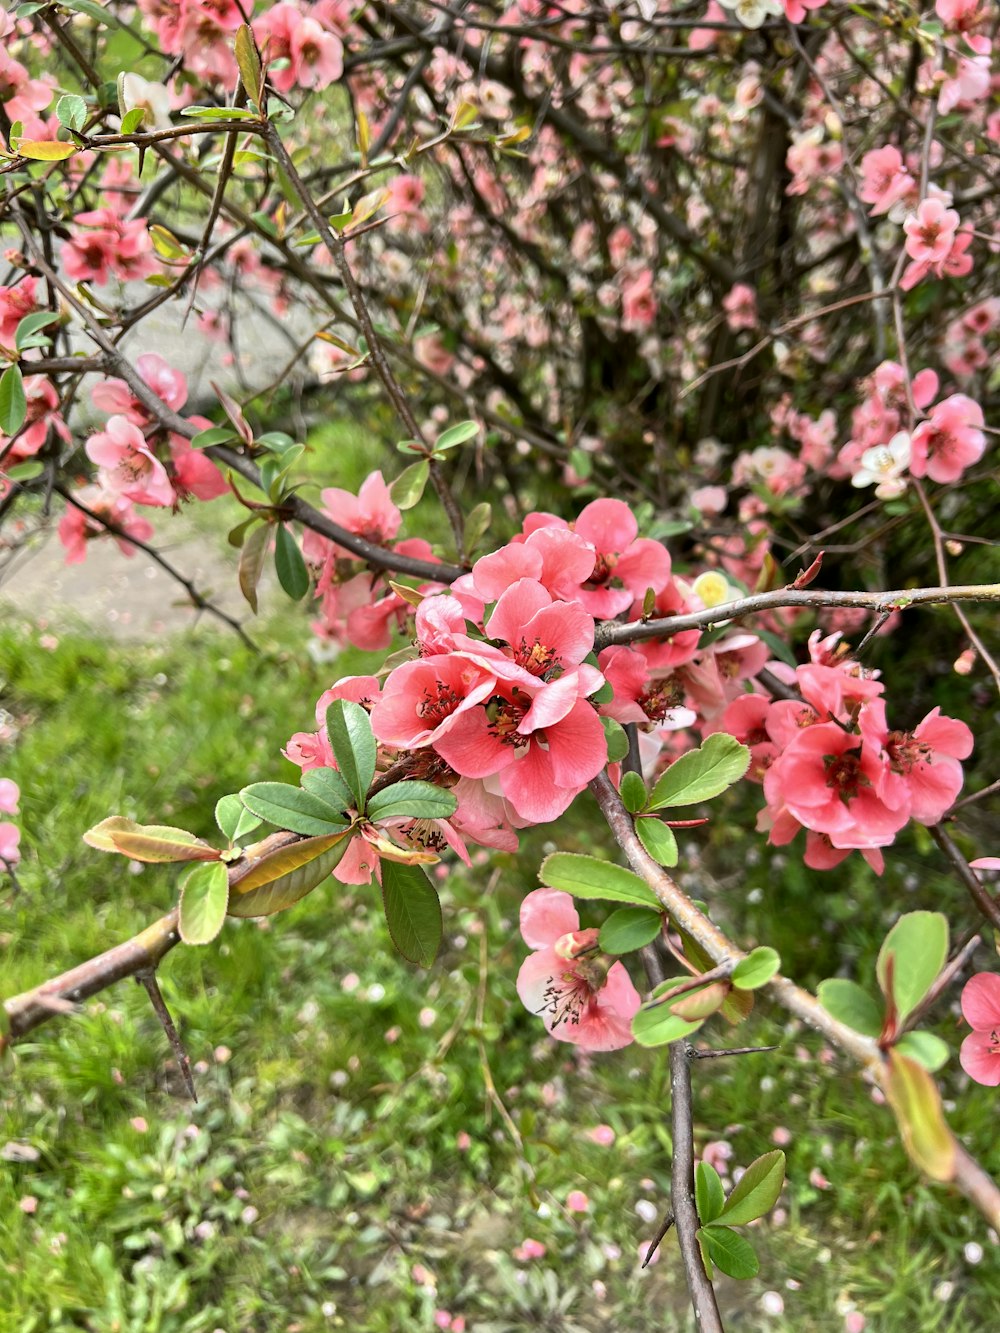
(689, 297)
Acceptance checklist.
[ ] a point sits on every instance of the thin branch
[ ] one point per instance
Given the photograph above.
(699, 1285)
(985, 901)
(147, 979)
(898, 600)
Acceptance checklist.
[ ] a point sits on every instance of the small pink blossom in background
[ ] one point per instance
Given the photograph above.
(854, 1322)
(772, 1302)
(427, 1017)
(29, 1204)
(222, 1055)
(10, 837)
(740, 305)
(709, 500)
(392, 1035)
(422, 1276)
(980, 1053)
(529, 1249)
(818, 1180)
(577, 1201)
(139, 1124)
(930, 230)
(463, 1141)
(986, 863)
(10, 793)
(603, 1135)
(781, 1136)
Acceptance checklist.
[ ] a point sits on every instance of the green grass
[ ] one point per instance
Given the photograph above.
(345, 1146)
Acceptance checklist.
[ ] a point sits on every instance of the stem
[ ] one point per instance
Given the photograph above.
(699, 1285)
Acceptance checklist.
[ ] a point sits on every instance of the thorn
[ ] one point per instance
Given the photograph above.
(665, 1226)
(148, 980)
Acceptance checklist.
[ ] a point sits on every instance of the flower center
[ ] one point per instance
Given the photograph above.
(439, 704)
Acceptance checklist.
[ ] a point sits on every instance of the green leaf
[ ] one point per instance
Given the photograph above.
(252, 559)
(289, 565)
(248, 62)
(132, 120)
(26, 471)
(710, 1197)
(414, 800)
(629, 928)
(918, 945)
(13, 403)
(276, 442)
(849, 1003)
(916, 1104)
(656, 1026)
(234, 819)
(99, 13)
(730, 1253)
(218, 113)
(204, 898)
(353, 745)
(455, 435)
(703, 773)
(328, 784)
(30, 325)
(213, 435)
(71, 111)
(757, 1191)
(408, 487)
(926, 1048)
(154, 843)
(658, 839)
(756, 969)
(633, 792)
(412, 912)
(280, 878)
(477, 522)
(291, 808)
(617, 741)
(588, 877)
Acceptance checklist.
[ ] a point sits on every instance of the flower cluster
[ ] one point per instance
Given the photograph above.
(10, 834)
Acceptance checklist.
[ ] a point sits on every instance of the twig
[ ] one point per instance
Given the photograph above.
(147, 979)
(699, 1285)
(986, 903)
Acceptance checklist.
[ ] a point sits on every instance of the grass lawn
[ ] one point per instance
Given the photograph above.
(346, 1166)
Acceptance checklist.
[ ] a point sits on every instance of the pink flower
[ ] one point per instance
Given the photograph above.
(930, 231)
(127, 465)
(638, 302)
(641, 695)
(885, 179)
(740, 305)
(922, 774)
(986, 863)
(569, 983)
(603, 1135)
(950, 441)
(76, 529)
(15, 303)
(193, 473)
(10, 836)
(370, 514)
(423, 701)
(542, 737)
(317, 56)
(9, 795)
(576, 1200)
(980, 1053)
(528, 1249)
(102, 242)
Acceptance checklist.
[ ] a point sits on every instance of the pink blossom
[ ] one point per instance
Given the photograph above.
(10, 794)
(127, 465)
(10, 836)
(922, 774)
(930, 231)
(528, 1249)
(986, 863)
(76, 528)
(102, 242)
(15, 303)
(740, 305)
(603, 1135)
(193, 474)
(950, 441)
(885, 179)
(639, 694)
(980, 1053)
(969, 85)
(370, 514)
(576, 1200)
(423, 701)
(580, 998)
(638, 302)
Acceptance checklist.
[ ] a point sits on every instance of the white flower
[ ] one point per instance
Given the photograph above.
(885, 464)
(752, 13)
(152, 97)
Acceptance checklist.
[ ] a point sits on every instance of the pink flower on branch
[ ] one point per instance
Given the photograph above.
(128, 466)
(949, 441)
(568, 982)
(980, 1053)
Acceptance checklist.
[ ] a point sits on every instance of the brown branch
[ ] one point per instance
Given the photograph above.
(699, 1284)
(899, 600)
(985, 901)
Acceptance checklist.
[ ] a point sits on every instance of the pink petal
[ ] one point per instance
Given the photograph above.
(577, 747)
(547, 915)
(981, 1001)
(515, 608)
(609, 524)
(980, 1060)
(471, 748)
(530, 787)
